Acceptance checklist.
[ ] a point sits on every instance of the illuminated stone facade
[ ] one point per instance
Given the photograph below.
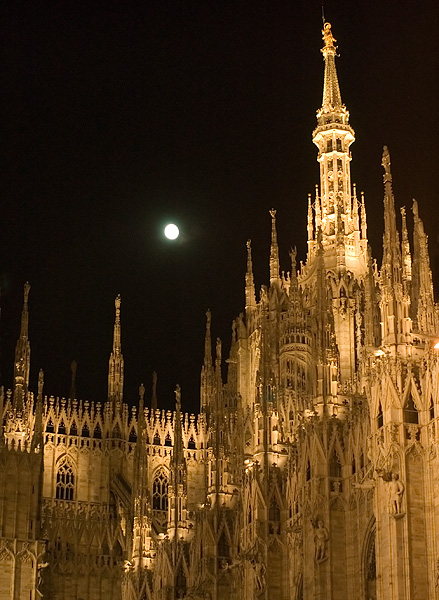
(312, 472)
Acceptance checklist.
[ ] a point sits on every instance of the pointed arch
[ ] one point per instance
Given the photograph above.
(160, 489)
(380, 416)
(65, 480)
(369, 561)
(410, 411)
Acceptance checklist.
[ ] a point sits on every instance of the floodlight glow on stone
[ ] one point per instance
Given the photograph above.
(171, 231)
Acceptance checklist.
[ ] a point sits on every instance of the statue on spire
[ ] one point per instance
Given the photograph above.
(328, 38)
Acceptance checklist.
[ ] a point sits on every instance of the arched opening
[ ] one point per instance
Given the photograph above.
(160, 491)
(431, 409)
(223, 546)
(65, 481)
(335, 465)
(380, 417)
(370, 566)
(410, 411)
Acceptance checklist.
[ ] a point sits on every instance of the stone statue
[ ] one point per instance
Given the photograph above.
(396, 491)
(321, 536)
(259, 569)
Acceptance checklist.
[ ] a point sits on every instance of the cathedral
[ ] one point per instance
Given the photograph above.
(312, 469)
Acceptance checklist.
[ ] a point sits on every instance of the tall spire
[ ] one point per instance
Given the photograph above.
(115, 369)
(423, 308)
(154, 392)
(250, 296)
(73, 368)
(391, 246)
(395, 299)
(336, 212)
(37, 438)
(22, 355)
(405, 249)
(274, 250)
(177, 490)
(331, 89)
(207, 375)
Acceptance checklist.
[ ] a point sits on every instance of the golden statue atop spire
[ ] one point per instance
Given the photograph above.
(328, 38)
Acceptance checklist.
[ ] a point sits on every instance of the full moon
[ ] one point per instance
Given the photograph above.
(171, 231)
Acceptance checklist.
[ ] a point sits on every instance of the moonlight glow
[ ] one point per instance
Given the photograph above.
(171, 231)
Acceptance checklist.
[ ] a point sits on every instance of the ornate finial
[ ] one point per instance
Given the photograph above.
(386, 160)
(26, 291)
(249, 244)
(178, 397)
(208, 318)
(415, 208)
(141, 391)
(272, 213)
(327, 36)
(40, 383)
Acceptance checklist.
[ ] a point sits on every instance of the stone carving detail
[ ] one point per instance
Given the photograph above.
(396, 491)
(321, 537)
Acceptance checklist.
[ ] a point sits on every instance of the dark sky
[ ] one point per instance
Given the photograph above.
(117, 117)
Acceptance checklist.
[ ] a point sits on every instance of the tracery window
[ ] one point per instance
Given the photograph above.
(65, 481)
(160, 491)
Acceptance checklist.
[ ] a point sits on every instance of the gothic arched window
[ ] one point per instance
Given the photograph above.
(431, 409)
(65, 481)
(160, 491)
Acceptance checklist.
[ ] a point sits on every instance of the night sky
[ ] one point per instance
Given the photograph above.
(118, 117)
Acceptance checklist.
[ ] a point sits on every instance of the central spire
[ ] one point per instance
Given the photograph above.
(331, 89)
(336, 207)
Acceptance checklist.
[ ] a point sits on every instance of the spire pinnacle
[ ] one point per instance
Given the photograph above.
(22, 354)
(154, 392)
(73, 368)
(250, 295)
(37, 438)
(423, 306)
(178, 454)
(116, 363)
(331, 89)
(208, 341)
(274, 250)
(116, 334)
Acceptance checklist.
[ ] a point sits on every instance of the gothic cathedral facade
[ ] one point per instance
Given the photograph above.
(311, 472)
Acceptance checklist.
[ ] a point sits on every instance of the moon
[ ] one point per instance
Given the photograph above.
(172, 231)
